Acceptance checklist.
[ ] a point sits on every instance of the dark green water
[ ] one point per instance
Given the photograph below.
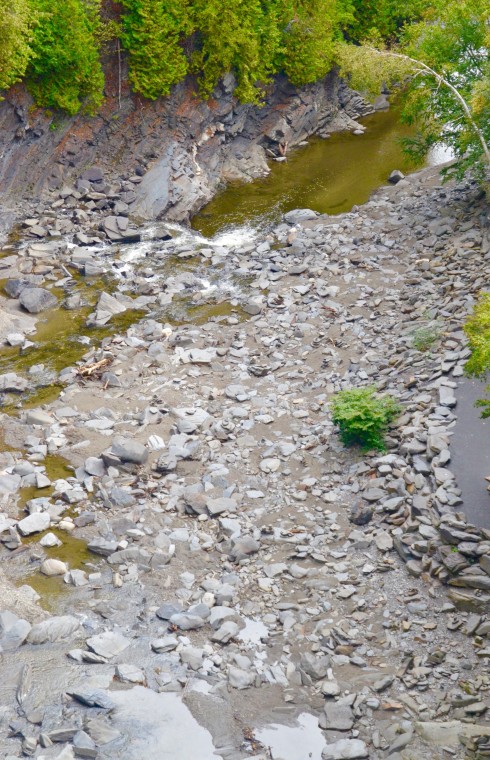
(329, 176)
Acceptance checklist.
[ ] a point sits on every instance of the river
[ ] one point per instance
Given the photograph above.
(327, 175)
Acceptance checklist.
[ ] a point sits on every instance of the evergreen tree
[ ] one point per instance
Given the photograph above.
(65, 71)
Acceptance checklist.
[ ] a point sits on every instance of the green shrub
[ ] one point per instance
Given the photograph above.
(477, 329)
(363, 416)
(424, 337)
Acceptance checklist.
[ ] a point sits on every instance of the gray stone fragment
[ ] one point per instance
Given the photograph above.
(165, 644)
(240, 679)
(314, 666)
(12, 383)
(34, 523)
(108, 644)
(243, 547)
(35, 300)
(345, 749)
(186, 622)
(54, 629)
(83, 745)
(130, 673)
(13, 631)
(337, 717)
(129, 450)
(226, 632)
(93, 698)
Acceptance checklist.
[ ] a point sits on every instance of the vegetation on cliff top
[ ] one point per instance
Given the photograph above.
(439, 50)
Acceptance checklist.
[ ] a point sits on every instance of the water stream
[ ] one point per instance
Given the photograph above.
(327, 175)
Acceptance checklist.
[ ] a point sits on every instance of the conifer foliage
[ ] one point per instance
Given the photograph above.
(441, 46)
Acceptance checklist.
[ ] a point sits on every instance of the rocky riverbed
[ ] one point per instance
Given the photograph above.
(202, 570)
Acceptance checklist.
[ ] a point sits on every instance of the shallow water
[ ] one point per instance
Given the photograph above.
(327, 175)
(304, 741)
(161, 727)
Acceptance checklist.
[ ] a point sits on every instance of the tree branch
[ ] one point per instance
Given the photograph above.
(424, 68)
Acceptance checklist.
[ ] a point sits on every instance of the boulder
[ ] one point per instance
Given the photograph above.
(35, 300)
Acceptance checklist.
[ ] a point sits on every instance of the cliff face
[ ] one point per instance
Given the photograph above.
(177, 151)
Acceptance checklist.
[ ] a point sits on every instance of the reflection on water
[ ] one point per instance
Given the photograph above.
(329, 176)
(304, 741)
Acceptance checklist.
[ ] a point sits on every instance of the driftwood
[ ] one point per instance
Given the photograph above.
(94, 370)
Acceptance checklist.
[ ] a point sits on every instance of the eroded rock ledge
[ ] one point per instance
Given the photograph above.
(172, 154)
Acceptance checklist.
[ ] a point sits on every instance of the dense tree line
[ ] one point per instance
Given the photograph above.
(56, 44)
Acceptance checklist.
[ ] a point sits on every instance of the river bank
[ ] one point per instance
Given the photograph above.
(242, 565)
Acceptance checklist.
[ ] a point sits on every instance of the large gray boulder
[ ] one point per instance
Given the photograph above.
(35, 300)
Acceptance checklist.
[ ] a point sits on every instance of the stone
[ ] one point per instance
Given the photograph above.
(345, 749)
(297, 216)
(314, 666)
(361, 513)
(216, 507)
(165, 644)
(13, 631)
(395, 177)
(39, 417)
(168, 609)
(84, 746)
(12, 383)
(240, 679)
(243, 547)
(129, 450)
(34, 523)
(130, 673)
(95, 466)
(54, 629)
(226, 632)
(330, 689)
(108, 644)
(384, 541)
(93, 698)
(53, 567)
(337, 717)
(35, 300)
(447, 733)
(186, 622)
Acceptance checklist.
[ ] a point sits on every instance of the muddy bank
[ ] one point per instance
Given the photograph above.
(175, 152)
(242, 562)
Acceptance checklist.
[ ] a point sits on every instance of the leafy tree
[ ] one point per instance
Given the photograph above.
(446, 59)
(65, 71)
(153, 31)
(477, 329)
(17, 20)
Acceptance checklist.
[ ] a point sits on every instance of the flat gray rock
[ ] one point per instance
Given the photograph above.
(12, 383)
(54, 629)
(34, 523)
(345, 749)
(108, 644)
(35, 300)
(129, 451)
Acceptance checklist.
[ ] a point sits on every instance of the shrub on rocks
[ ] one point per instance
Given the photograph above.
(363, 417)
